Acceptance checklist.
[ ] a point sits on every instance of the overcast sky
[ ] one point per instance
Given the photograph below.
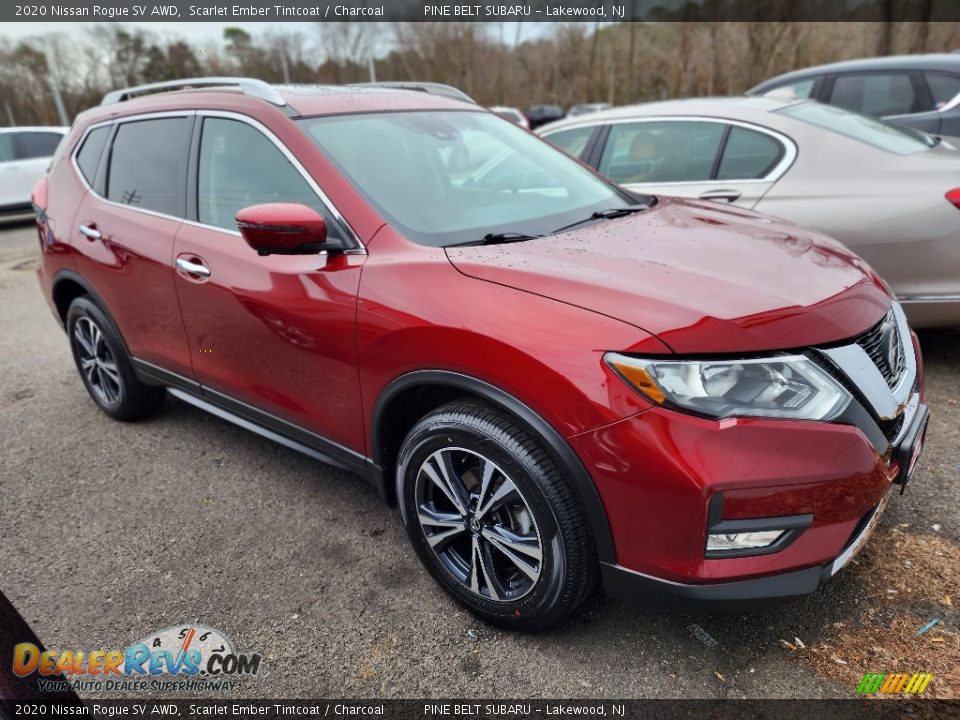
(199, 33)
(196, 32)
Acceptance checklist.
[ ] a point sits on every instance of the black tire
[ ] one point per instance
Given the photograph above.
(467, 437)
(110, 378)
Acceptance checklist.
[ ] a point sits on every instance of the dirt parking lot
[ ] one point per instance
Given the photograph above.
(109, 531)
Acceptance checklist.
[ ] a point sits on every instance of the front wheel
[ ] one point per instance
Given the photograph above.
(492, 517)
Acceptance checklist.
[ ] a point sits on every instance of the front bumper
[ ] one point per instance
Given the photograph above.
(830, 473)
(627, 586)
(668, 479)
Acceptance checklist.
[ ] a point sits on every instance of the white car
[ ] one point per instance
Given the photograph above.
(890, 193)
(25, 153)
(512, 114)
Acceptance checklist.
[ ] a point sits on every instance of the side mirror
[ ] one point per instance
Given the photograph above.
(285, 229)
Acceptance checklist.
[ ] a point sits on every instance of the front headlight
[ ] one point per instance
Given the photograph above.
(790, 386)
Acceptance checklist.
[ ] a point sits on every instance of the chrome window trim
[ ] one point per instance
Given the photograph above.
(789, 146)
(352, 236)
(854, 362)
(113, 121)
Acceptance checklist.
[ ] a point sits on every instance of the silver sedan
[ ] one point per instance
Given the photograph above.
(890, 194)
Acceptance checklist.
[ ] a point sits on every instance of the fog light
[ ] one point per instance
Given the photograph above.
(742, 541)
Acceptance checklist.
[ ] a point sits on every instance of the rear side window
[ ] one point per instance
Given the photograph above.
(6, 147)
(239, 167)
(876, 94)
(29, 145)
(943, 87)
(794, 91)
(89, 156)
(882, 135)
(573, 142)
(148, 164)
(748, 155)
(661, 151)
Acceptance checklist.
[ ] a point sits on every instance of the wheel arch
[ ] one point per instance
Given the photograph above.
(425, 390)
(67, 286)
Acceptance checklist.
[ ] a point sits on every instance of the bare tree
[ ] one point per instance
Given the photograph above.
(347, 46)
(564, 63)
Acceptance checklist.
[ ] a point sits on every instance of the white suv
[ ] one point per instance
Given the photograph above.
(25, 153)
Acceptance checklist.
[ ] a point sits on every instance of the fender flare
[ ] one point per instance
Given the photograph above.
(74, 276)
(580, 480)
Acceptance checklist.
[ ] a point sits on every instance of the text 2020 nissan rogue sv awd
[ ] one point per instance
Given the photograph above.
(558, 384)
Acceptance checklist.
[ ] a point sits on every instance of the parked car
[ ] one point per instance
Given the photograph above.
(538, 115)
(512, 114)
(891, 194)
(587, 108)
(558, 384)
(25, 153)
(919, 91)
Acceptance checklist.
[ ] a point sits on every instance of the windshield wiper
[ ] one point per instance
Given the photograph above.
(499, 238)
(608, 214)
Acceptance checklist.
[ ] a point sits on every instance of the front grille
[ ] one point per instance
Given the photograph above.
(876, 343)
(884, 345)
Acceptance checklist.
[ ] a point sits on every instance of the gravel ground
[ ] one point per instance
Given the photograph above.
(109, 531)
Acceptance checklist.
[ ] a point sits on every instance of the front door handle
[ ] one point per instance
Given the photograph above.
(192, 268)
(90, 232)
(727, 195)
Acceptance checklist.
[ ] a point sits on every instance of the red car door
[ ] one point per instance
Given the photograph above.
(275, 333)
(124, 231)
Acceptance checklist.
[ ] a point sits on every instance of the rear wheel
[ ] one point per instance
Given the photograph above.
(492, 517)
(104, 365)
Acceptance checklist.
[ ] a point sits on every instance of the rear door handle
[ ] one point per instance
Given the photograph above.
(90, 232)
(728, 195)
(192, 268)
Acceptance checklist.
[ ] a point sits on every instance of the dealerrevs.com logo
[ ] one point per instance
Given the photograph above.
(180, 657)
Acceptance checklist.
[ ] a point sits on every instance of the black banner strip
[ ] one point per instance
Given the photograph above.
(472, 709)
(498, 11)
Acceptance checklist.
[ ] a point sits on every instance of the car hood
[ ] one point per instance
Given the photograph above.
(702, 278)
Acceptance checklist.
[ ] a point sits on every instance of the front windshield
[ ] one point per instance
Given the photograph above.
(453, 177)
(892, 138)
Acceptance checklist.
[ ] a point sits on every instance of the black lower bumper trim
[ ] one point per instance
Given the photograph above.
(911, 444)
(631, 587)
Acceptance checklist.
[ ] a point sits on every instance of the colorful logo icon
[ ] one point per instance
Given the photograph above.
(893, 683)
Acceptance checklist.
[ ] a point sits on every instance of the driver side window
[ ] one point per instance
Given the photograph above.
(239, 166)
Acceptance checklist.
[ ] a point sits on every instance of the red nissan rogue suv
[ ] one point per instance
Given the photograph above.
(558, 383)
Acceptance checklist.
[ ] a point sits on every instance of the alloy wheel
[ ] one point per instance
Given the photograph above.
(478, 524)
(97, 363)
